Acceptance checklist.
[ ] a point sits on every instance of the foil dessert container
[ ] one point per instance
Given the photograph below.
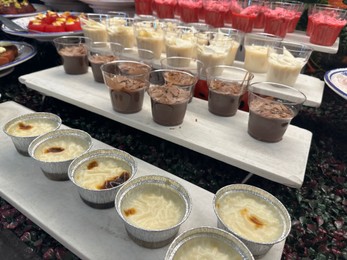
(21, 143)
(216, 236)
(101, 198)
(146, 237)
(58, 170)
(256, 247)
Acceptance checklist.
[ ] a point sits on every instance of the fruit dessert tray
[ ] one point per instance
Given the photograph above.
(228, 141)
(87, 232)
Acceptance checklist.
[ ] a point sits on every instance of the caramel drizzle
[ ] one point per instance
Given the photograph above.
(54, 150)
(23, 126)
(92, 165)
(258, 223)
(128, 212)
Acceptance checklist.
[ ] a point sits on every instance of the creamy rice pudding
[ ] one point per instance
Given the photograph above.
(31, 127)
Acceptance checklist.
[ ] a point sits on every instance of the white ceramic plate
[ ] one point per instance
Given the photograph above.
(39, 9)
(25, 52)
(24, 21)
(337, 80)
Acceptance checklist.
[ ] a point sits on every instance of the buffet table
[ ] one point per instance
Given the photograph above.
(223, 138)
(89, 233)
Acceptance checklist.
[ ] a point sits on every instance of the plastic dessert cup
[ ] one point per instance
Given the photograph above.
(215, 12)
(100, 53)
(170, 92)
(286, 61)
(298, 10)
(189, 10)
(190, 65)
(257, 46)
(127, 82)
(236, 36)
(312, 11)
(262, 6)
(73, 51)
(243, 15)
(94, 27)
(180, 42)
(278, 18)
(140, 55)
(326, 25)
(165, 8)
(271, 108)
(143, 7)
(120, 30)
(226, 86)
(150, 36)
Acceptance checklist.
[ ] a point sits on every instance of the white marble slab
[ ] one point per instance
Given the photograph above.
(87, 232)
(223, 138)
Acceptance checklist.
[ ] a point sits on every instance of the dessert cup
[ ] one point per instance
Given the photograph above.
(100, 53)
(243, 15)
(143, 7)
(170, 92)
(150, 36)
(215, 12)
(180, 42)
(286, 61)
(94, 27)
(312, 12)
(226, 86)
(73, 51)
(236, 37)
(165, 8)
(257, 46)
(299, 7)
(271, 108)
(262, 7)
(140, 55)
(120, 30)
(278, 17)
(189, 10)
(127, 82)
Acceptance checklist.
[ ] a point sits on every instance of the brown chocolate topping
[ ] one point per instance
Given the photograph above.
(23, 126)
(54, 150)
(169, 94)
(101, 59)
(226, 87)
(92, 165)
(178, 78)
(123, 83)
(133, 69)
(80, 50)
(114, 182)
(270, 109)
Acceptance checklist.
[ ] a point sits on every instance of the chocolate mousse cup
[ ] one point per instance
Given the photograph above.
(100, 53)
(226, 86)
(169, 100)
(271, 108)
(127, 82)
(73, 51)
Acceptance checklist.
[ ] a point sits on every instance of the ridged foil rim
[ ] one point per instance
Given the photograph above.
(154, 179)
(206, 231)
(265, 196)
(35, 115)
(102, 153)
(55, 134)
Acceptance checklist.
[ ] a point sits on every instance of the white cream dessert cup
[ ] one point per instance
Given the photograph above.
(94, 27)
(120, 30)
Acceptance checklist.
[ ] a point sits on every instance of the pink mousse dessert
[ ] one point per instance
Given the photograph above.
(189, 10)
(215, 12)
(243, 18)
(143, 7)
(278, 19)
(326, 27)
(165, 8)
(299, 8)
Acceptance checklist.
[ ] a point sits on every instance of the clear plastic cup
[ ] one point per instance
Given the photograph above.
(272, 106)
(243, 15)
(120, 30)
(286, 61)
(226, 86)
(140, 55)
(94, 27)
(299, 7)
(165, 8)
(311, 12)
(127, 82)
(73, 51)
(150, 36)
(189, 10)
(180, 42)
(256, 46)
(143, 7)
(236, 36)
(100, 53)
(215, 12)
(170, 92)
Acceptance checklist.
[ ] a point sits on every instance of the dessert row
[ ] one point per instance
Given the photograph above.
(275, 17)
(153, 207)
(272, 105)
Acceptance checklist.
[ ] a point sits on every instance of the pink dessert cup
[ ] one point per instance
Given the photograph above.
(143, 7)
(243, 16)
(165, 8)
(189, 10)
(215, 12)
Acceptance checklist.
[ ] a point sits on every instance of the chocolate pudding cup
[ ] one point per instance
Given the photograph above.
(100, 53)
(74, 53)
(169, 99)
(127, 82)
(226, 86)
(271, 108)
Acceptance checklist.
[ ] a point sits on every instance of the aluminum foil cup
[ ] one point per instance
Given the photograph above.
(221, 241)
(265, 198)
(152, 238)
(101, 198)
(57, 170)
(21, 143)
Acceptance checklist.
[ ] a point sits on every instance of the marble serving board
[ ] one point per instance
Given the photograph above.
(89, 233)
(223, 138)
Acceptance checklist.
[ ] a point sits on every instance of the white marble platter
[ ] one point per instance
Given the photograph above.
(223, 138)
(89, 233)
